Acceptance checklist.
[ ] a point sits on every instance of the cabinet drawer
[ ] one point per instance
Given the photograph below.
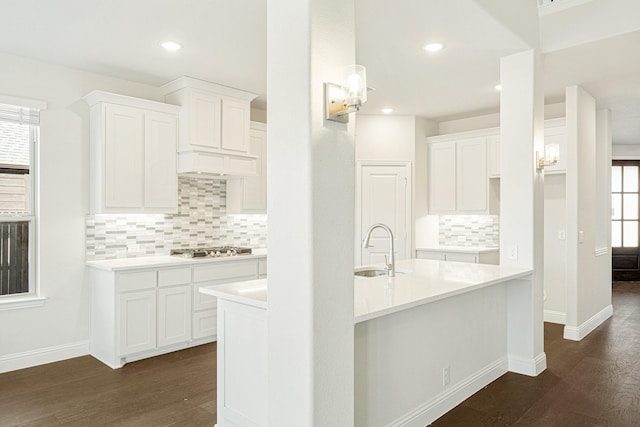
(262, 267)
(205, 324)
(461, 257)
(228, 271)
(137, 280)
(175, 276)
(439, 256)
(202, 301)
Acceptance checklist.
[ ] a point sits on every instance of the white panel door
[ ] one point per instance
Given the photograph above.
(174, 315)
(385, 197)
(235, 125)
(472, 178)
(124, 157)
(137, 321)
(161, 178)
(442, 177)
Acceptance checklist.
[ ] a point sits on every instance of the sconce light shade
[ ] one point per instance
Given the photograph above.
(340, 100)
(550, 158)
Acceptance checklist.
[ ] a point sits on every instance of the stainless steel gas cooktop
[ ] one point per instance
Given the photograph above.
(211, 252)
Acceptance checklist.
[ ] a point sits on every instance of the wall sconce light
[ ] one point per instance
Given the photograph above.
(341, 100)
(550, 157)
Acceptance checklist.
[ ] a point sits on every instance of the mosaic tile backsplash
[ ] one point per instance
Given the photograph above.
(476, 230)
(201, 221)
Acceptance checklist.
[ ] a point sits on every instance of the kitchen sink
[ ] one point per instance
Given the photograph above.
(370, 272)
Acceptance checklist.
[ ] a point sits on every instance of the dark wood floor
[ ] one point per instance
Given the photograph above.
(176, 389)
(595, 382)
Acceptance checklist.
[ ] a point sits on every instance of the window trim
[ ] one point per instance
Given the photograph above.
(32, 298)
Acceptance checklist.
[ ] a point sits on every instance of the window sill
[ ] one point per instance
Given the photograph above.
(19, 303)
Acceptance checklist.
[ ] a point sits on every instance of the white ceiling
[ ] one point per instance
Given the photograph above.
(594, 44)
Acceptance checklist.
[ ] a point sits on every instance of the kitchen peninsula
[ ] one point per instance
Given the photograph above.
(424, 340)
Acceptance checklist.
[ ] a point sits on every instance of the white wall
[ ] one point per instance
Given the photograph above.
(626, 152)
(484, 121)
(555, 249)
(59, 328)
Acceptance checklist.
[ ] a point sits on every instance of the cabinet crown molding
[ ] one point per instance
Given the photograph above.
(189, 82)
(97, 96)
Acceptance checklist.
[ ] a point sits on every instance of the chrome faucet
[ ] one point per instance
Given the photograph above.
(389, 261)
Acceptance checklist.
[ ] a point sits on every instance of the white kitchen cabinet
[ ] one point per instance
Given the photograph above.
(458, 175)
(442, 177)
(215, 128)
(174, 315)
(205, 306)
(472, 255)
(555, 133)
(137, 321)
(249, 194)
(132, 154)
(471, 174)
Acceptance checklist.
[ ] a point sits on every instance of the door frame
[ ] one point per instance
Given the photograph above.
(360, 164)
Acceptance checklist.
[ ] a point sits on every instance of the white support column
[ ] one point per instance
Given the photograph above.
(311, 196)
(522, 206)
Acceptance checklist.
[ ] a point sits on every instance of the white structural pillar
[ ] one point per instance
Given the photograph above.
(522, 206)
(311, 183)
(588, 215)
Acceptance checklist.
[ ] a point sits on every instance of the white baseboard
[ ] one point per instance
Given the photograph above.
(531, 367)
(577, 333)
(41, 356)
(448, 399)
(559, 317)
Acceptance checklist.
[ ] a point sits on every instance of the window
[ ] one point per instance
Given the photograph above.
(624, 204)
(19, 130)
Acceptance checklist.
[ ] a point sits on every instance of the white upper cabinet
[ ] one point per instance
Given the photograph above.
(442, 177)
(249, 194)
(471, 168)
(493, 156)
(214, 130)
(132, 154)
(459, 173)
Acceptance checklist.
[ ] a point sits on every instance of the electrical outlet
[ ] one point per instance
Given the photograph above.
(462, 238)
(446, 376)
(562, 235)
(513, 252)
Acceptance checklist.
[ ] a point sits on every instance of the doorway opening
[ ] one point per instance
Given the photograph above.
(625, 185)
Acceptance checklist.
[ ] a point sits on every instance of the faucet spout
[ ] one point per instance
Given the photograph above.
(390, 261)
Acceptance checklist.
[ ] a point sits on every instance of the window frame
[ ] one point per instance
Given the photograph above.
(32, 298)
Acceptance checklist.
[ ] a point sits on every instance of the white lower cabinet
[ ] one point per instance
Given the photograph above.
(144, 312)
(478, 257)
(137, 321)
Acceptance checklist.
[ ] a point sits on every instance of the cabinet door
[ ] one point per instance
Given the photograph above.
(124, 157)
(235, 125)
(442, 177)
(493, 156)
(472, 175)
(254, 188)
(174, 315)
(137, 321)
(204, 120)
(161, 178)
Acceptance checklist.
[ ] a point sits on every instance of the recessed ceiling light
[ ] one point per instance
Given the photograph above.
(433, 47)
(498, 87)
(387, 110)
(172, 46)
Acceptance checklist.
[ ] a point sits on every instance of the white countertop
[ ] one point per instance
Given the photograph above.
(417, 282)
(461, 249)
(250, 292)
(165, 261)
